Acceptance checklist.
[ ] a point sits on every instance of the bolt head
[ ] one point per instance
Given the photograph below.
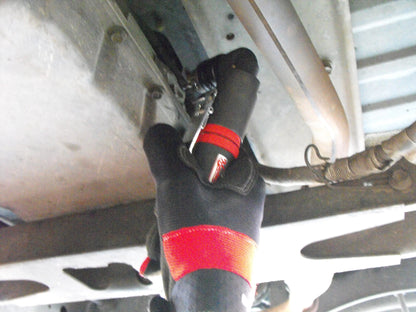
(400, 180)
(328, 66)
(117, 37)
(156, 94)
(230, 36)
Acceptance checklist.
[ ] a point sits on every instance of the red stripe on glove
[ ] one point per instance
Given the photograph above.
(209, 247)
(221, 137)
(144, 266)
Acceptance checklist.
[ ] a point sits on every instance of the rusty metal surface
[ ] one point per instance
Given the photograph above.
(51, 252)
(97, 230)
(76, 83)
(71, 141)
(279, 34)
(275, 115)
(373, 160)
(311, 203)
(10, 290)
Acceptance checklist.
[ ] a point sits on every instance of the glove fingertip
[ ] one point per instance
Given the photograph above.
(160, 133)
(160, 145)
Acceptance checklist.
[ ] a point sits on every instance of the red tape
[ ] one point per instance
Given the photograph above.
(221, 137)
(209, 247)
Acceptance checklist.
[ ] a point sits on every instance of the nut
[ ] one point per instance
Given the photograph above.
(156, 93)
(400, 180)
(117, 37)
(327, 65)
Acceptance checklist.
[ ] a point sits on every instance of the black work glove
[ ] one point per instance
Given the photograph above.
(208, 232)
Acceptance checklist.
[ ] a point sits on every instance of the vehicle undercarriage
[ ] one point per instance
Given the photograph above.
(333, 131)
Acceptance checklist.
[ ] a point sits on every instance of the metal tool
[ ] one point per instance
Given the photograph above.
(234, 77)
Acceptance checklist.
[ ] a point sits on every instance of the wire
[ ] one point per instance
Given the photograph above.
(319, 174)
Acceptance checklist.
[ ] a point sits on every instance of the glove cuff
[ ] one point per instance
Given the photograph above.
(209, 247)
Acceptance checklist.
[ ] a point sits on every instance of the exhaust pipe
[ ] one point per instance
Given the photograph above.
(279, 34)
(374, 160)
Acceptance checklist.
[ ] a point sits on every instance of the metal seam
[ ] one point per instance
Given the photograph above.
(292, 68)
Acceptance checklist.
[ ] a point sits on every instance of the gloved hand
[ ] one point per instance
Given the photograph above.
(208, 232)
